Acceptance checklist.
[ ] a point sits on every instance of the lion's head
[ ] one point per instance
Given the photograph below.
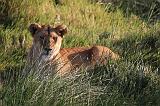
(47, 39)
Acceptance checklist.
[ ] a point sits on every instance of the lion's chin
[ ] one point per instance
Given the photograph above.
(49, 56)
(46, 58)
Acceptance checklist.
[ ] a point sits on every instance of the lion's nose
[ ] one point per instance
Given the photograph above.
(48, 49)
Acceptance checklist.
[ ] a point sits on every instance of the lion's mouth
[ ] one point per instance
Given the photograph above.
(47, 53)
(46, 56)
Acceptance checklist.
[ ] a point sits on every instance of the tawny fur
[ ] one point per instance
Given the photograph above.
(67, 59)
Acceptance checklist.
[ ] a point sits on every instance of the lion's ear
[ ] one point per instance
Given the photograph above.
(61, 30)
(34, 27)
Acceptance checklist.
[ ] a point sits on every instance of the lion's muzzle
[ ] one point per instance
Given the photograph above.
(47, 50)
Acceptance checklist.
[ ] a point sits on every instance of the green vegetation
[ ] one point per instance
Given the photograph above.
(133, 80)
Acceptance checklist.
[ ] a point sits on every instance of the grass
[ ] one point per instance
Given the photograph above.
(109, 85)
(134, 80)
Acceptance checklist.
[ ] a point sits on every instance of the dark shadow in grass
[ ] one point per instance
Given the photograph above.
(141, 48)
(5, 17)
(126, 81)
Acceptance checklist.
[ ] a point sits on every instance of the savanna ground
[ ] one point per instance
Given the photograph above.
(131, 28)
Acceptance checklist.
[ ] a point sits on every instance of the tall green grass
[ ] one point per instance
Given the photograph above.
(132, 84)
(134, 80)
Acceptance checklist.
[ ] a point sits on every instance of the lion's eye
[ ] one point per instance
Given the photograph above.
(55, 39)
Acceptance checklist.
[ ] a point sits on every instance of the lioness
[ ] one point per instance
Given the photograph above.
(46, 48)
